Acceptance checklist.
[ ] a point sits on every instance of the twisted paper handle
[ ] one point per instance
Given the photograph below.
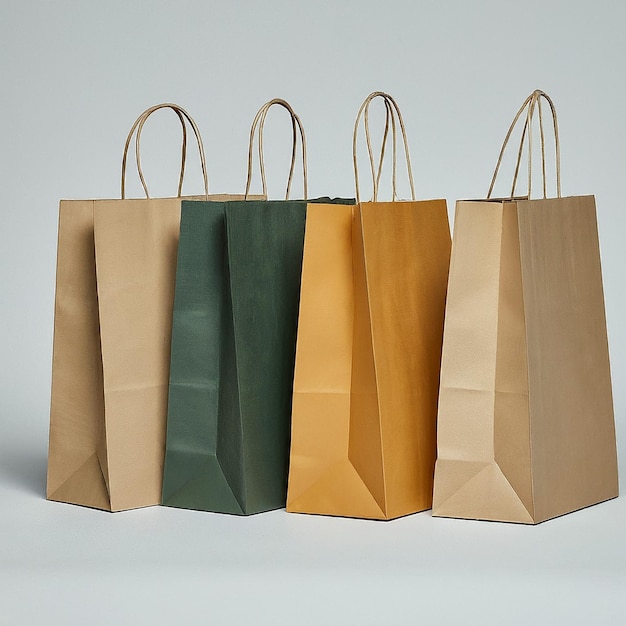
(258, 124)
(138, 127)
(392, 114)
(389, 117)
(533, 101)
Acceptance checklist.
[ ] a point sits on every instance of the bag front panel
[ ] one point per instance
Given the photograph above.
(265, 242)
(407, 255)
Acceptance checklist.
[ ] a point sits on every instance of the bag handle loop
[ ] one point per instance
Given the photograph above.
(389, 117)
(258, 125)
(530, 104)
(138, 127)
(394, 115)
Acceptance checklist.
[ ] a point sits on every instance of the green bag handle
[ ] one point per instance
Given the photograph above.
(392, 112)
(533, 101)
(258, 124)
(183, 116)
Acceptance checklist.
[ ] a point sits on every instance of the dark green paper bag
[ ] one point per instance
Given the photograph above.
(233, 351)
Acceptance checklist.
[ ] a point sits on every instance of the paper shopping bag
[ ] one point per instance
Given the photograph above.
(114, 295)
(368, 353)
(233, 343)
(526, 427)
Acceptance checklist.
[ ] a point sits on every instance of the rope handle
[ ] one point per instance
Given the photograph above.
(389, 117)
(394, 115)
(137, 127)
(530, 104)
(258, 125)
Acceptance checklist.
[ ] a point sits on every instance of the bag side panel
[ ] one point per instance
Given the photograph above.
(194, 474)
(77, 464)
(323, 364)
(321, 479)
(572, 423)
(469, 482)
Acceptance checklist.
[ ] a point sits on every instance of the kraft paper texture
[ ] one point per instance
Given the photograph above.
(526, 428)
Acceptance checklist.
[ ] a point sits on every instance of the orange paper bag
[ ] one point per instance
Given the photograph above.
(368, 353)
(526, 429)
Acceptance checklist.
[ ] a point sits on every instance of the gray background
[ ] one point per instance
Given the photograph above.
(74, 75)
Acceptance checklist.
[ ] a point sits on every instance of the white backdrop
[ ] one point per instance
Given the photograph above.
(74, 75)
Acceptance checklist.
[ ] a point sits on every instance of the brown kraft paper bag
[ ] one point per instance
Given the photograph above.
(116, 267)
(525, 426)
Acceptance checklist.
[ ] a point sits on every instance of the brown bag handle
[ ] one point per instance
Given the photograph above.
(389, 117)
(392, 113)
(533, 101)
(138, 127)
(258, 124)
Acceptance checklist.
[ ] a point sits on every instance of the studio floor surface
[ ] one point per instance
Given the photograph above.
(62, 564)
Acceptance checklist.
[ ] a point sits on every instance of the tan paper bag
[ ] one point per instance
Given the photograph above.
(368, 352)
(525, 427)
(116, 267)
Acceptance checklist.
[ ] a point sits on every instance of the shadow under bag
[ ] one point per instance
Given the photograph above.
(526, 429)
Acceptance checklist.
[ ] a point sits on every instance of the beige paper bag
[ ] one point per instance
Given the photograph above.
(525, 424)
(113, 313)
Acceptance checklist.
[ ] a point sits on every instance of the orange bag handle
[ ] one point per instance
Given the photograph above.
(392, 112)
(138, 127)
(258, 124)
(533, 101)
